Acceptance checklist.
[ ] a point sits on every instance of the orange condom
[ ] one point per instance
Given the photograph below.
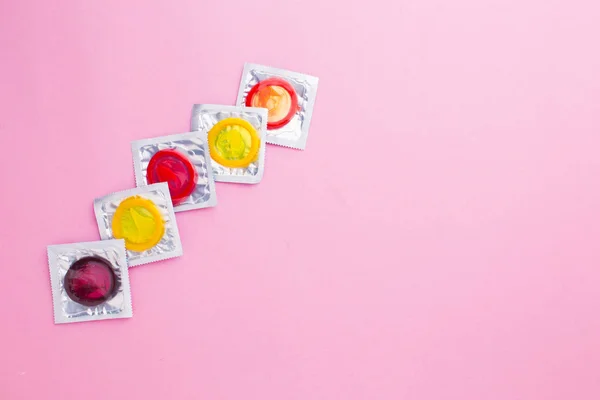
(278, 97)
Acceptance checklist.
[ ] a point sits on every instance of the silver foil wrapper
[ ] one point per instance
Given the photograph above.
(205, 116)
(169, 245)
(193, 146)
(295, 133)
(60, 259)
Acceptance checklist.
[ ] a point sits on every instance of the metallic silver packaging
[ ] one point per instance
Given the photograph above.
(193, 146)
(169, 245)
(295, 133)
(206, 116)
(60, 259)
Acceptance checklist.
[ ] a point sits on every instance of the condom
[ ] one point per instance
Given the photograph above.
(90, 281)
(144, 218)
(180, 160)
(175, 168)
(288, 96)
(138, 221)
(278, 97)
(233, 142)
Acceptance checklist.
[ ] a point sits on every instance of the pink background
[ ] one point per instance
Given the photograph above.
(438, 239)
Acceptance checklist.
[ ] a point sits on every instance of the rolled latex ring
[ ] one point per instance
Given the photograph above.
(139, 222)
(90, 281)
(278, 97)
(177, 170)
(233, 142)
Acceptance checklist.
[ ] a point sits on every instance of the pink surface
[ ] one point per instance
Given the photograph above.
(438, 239)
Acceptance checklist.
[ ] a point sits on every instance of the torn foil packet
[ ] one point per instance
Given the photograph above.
(180, 160)
(90, 281)
(236, 140)
(289, 98)
(144, 218)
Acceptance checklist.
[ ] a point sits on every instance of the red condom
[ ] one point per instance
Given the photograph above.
(177, 170)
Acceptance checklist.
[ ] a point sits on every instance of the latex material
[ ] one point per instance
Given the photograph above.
(139, 222)
(233, 142)
(278, 97)
(177, 170)
(90, 281)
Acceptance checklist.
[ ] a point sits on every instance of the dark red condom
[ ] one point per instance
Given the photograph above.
(90, 281)
(177, 170)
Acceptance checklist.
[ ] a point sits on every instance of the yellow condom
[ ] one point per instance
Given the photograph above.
(233, 142)
(138, 221)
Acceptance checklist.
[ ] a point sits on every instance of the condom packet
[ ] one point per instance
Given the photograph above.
(145, 218)
(235, 137)
(89, 281)
(288, 96)
(183, 162)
